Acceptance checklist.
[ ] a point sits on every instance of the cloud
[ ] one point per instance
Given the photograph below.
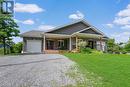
(110, 25)
(45, 27)
(29, 8)
(126, 27)
(76, 16)
(122, 18)
(121, 37)
(28, 21)
(125, 12)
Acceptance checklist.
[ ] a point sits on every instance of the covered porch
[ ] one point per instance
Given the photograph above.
(57, 42)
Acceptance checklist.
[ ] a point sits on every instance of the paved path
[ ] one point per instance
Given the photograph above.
(42, 70)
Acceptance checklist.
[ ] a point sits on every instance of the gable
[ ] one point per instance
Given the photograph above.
(91, 31)
(70, 29)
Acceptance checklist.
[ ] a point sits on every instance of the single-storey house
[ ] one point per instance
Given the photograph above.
(64, 37)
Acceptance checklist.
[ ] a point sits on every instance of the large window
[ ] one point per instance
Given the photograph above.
(61, 44)
(50, 45)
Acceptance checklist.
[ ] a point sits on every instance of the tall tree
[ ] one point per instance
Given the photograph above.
(8, 29)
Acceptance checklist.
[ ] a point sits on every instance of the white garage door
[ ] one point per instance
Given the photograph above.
(34, 46)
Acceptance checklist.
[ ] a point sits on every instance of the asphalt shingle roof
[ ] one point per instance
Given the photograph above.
(33, 33)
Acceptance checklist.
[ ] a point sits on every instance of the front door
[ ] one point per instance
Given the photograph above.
(61, 44)
(91, 44)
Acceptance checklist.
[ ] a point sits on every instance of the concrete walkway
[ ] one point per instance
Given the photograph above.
(42, 70)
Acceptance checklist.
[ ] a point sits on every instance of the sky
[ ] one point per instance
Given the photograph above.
(110, 16)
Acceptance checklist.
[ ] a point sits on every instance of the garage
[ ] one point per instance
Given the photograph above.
(34, 46)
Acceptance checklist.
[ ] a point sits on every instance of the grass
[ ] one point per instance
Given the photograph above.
(113, 69)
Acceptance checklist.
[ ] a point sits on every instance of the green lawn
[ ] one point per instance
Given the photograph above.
(113, 69)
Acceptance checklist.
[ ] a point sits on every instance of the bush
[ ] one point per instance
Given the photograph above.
(82, 47)
(86, 50)
(123, 51)
(127, 47)
(17, 48)
(1, 51)
(82, 44)
(97, 52)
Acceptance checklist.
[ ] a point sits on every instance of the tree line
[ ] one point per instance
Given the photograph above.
(117, 48)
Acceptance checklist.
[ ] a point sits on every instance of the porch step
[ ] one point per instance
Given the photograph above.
(52, 52)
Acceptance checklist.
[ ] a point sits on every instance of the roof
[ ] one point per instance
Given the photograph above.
(85, 22)
(33, 33)
(36, 33)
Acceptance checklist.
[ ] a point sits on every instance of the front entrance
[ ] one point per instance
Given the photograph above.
(91, 44)
(61, 44)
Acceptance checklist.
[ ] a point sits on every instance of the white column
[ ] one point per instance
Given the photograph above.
(70, 44)
(76, 43)
(101, 44)
(44, 43)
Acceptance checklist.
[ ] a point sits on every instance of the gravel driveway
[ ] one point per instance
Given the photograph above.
(42, 70)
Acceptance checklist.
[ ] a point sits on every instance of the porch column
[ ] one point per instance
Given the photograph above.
(76, 43)
(101, 44)
(44, 43)
(70, 44)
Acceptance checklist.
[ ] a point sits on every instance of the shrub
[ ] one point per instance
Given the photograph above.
(123, 51)
(127, 47)
(86, 50)
(17, 48)
(82, 44)
(97, 52)
(1, 51)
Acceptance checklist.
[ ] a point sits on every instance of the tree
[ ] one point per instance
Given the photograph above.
(110, 45)
(9, 44)
(8, 29)
(127, 46)
(116, 47)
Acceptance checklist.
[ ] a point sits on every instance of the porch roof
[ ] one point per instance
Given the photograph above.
(50, 35)
(84, 35)
(80, 35)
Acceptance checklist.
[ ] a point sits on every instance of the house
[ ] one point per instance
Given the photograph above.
(64, 38)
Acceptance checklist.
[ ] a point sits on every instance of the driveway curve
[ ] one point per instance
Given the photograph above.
(42, 70)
